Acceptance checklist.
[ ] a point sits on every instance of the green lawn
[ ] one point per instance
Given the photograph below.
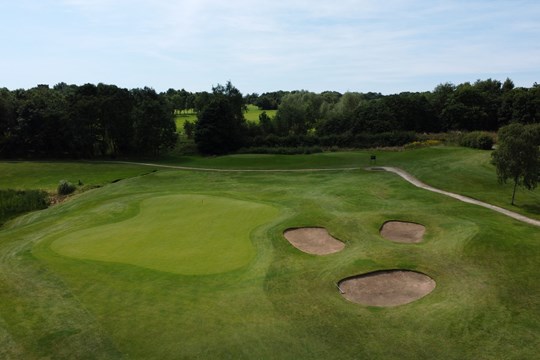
(252, 114)
(462, 170)
(266, 299)
(185, 234)
(181, 118)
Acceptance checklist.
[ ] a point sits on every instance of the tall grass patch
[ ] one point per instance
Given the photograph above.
(16, 202)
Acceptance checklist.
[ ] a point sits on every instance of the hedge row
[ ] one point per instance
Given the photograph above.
(347, 140)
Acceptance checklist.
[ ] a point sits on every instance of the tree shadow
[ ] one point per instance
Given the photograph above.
(532, 208)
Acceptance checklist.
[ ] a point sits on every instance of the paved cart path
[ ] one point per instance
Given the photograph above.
(405, 175)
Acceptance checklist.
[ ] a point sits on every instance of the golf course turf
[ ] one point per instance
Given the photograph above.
(75, 284)
(182, 234)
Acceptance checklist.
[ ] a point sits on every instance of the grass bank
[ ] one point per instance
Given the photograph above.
(278, 302)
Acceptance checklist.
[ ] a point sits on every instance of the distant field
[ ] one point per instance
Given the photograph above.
(193, 264)
(181, 118)
(253, 112)
(252, 115)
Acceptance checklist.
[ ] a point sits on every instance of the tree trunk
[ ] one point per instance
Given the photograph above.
(514, 193)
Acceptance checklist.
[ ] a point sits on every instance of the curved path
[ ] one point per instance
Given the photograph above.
(233, 170)
(405, 175)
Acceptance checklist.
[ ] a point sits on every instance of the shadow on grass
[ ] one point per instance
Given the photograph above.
(532, 208)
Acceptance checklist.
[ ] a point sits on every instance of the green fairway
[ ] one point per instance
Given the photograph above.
(184, 234)
(462, 170)
(253, 112)
(181, 118)
(134, 269)
(252, 115)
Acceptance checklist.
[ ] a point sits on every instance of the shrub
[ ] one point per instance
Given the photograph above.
(65, 187)
(281, 150)
(16, 202)
(420, 144)
(477, 140)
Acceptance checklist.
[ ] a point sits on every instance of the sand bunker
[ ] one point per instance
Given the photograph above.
(386, 287)
(313, 240)
(403, 232)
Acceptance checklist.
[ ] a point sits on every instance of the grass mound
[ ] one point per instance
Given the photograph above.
(183, 234)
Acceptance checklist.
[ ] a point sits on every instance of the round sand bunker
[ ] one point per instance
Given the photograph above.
(386, 287)
(313, 240)
(403, 232)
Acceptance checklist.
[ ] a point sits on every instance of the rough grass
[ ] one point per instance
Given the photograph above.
(45, 175)
(284, 303)
(16, 202)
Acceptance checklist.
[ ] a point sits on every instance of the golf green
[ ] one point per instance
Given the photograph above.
(182, 234)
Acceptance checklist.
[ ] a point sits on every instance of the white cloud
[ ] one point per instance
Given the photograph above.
(315, 44)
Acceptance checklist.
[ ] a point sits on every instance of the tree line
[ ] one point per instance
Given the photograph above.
(353, 119)
(105, 120)
(483, 105)
(84, 122)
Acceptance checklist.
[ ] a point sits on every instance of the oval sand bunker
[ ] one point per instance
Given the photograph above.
(387, 287)
(403, 232)
(313, 240)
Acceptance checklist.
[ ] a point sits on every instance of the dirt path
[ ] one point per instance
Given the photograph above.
(405, 175)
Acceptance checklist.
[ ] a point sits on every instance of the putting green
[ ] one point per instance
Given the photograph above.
(182, 234)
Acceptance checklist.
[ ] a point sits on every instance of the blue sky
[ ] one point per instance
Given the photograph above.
(350, 45)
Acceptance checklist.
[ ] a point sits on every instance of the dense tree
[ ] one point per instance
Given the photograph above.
(7, 121)
(115, 106)
(42, 124)
(153, 122)
(221, 126)
(341, 115)
(270, 100)
(298, 113)
(179, 100)
(86, 131)
(517, 156)
(104, 120)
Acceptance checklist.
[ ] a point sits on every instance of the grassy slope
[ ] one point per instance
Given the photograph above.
(45, 175)
(253, 112)
(284, 304)
(462, 170)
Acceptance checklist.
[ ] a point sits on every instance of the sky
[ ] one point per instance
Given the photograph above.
(385, 46)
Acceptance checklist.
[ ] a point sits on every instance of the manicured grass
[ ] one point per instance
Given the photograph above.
(281, 303)
(183, 234)
(181, 118)
(462, 170)
(253, 112)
